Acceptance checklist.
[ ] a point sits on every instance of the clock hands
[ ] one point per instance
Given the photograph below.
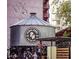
(32, 35)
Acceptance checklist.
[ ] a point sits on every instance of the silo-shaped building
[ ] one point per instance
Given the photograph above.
(26, 31)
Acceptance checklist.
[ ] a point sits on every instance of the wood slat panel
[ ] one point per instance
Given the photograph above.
(62, 53)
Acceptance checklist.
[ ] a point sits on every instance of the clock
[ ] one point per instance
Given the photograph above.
(31, 34)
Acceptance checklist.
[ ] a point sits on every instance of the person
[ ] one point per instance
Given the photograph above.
(38, 51)
(25, 55)
(15, 56)
(12, 56)
(44, 52)
(8, 54)
(35, 55)
(29, 54)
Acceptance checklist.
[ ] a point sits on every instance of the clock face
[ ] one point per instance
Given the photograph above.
(31, 34)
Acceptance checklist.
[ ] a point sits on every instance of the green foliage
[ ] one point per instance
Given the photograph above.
(64, 12)
(65, 34)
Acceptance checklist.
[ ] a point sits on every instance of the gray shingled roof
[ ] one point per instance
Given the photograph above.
(32, 20)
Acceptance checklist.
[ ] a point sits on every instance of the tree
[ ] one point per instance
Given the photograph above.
(64, 12)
